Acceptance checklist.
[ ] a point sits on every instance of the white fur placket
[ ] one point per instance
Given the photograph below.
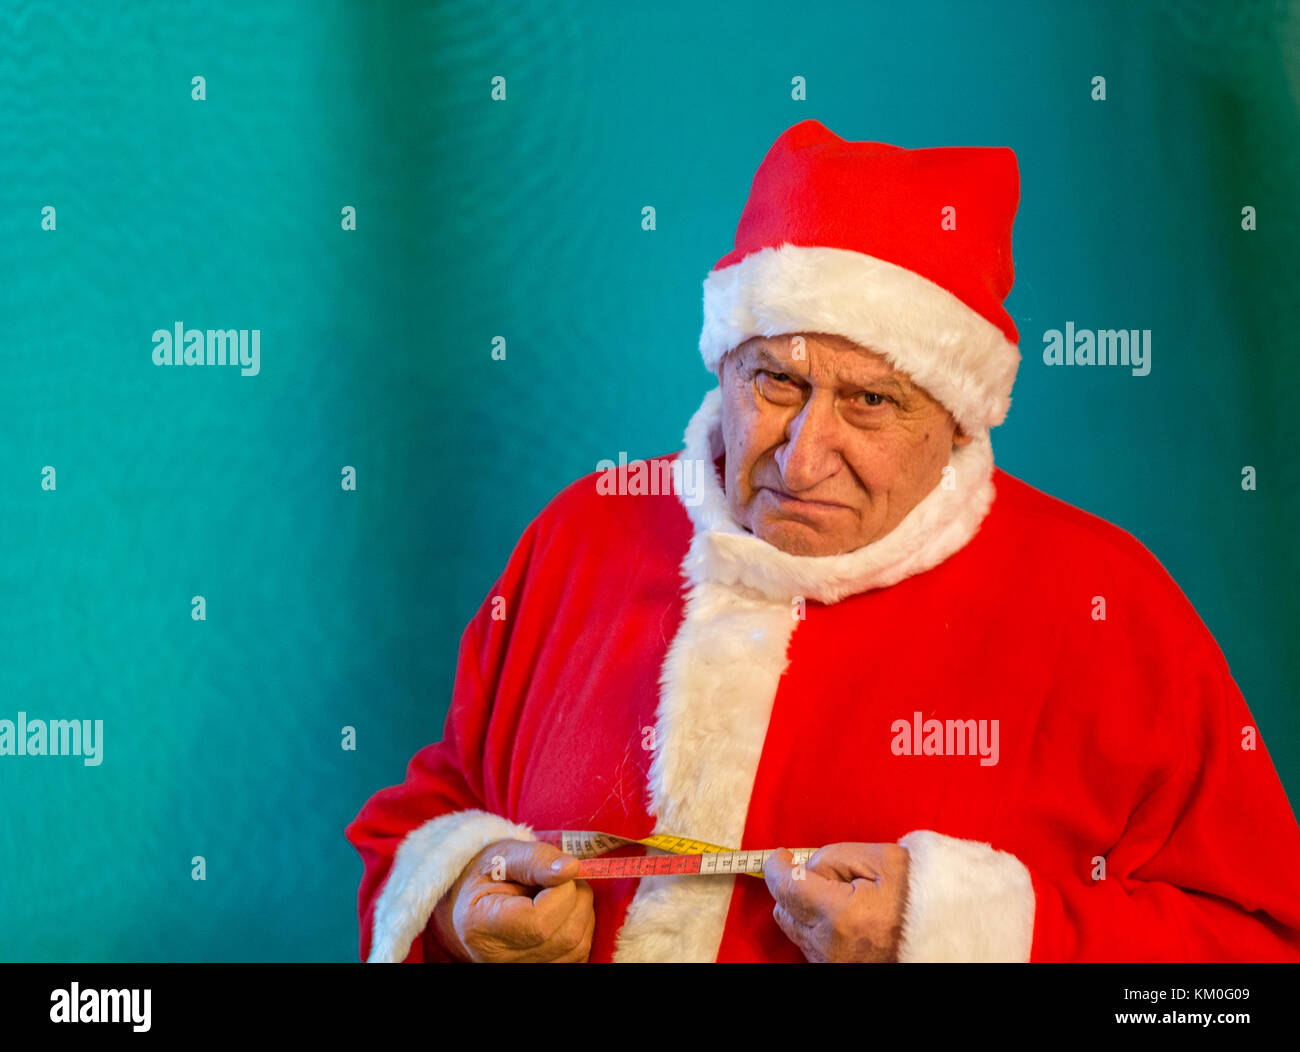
(720, 675)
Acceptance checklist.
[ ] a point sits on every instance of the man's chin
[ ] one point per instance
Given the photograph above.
(799, 538)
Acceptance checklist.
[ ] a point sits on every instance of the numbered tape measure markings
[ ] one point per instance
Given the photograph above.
(685, 857)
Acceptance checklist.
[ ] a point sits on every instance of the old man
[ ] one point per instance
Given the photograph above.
(995, 716)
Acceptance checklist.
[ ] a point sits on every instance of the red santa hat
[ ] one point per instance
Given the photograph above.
(906, 252)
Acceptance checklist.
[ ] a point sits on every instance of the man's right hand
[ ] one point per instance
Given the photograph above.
(509, 905)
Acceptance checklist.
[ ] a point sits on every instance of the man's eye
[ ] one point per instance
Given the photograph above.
(778, 388)
(874, 399)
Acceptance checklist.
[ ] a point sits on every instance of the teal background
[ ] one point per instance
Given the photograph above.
(523, 219)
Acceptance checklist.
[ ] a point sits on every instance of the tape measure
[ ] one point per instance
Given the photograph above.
(681, 855)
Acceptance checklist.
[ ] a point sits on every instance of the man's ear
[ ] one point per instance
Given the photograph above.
(960, 438)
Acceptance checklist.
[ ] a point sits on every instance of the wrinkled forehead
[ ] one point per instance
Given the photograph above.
(832, 358)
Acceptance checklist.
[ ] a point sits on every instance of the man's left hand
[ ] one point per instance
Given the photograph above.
(845, 905)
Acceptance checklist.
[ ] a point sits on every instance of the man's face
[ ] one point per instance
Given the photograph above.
(828, 446)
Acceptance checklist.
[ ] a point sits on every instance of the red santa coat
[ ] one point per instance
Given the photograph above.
(659, 669)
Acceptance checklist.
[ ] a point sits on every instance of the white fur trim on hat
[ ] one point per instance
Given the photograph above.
(959, 356)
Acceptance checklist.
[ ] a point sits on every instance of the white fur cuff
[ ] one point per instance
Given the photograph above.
(965, 902)
(428, 862)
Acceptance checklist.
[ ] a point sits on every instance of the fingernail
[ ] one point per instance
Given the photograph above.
(557, 865)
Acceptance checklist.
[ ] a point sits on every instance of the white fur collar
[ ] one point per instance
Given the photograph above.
(725, 552)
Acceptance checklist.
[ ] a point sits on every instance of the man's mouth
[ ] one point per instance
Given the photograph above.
(799, 502)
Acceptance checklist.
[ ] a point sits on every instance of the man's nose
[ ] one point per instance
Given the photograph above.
(811, 449)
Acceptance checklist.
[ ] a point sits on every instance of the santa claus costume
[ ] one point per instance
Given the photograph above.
(1129, 811)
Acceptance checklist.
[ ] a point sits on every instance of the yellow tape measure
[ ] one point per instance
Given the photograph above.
(681, 856)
